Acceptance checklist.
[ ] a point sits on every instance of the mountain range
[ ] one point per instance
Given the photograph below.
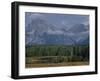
(39, 31)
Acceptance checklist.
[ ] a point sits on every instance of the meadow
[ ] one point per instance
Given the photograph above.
(56, 55)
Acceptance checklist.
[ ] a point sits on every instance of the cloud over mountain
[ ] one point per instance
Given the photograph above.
(39, 30)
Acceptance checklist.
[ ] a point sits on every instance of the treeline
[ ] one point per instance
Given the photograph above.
(58, 53)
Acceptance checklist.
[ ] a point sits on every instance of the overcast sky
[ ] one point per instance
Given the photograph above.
(58, 20)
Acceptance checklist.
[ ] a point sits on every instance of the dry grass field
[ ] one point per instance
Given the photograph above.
(57, 64)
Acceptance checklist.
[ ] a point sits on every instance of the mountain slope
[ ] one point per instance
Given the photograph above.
(39, 31)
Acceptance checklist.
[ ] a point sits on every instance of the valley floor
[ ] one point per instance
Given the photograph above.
(56, 55)
(56, 64)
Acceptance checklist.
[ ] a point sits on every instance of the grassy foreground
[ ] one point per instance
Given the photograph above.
(57, 64)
